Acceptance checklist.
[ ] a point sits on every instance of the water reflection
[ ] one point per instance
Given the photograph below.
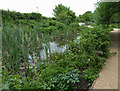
(53, 48)
(58, 45)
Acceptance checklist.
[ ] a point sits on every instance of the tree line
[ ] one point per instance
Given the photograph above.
(105, 13)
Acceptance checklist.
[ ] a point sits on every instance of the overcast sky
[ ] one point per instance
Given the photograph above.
(45, 7)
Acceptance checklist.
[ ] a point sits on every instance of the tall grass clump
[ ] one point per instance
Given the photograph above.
(18, 44)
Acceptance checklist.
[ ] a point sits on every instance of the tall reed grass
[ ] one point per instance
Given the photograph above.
(19, 42)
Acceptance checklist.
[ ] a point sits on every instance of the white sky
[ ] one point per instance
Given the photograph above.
(45, 7)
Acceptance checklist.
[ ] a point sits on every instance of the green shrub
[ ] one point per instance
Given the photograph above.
(58, 80)
(74, 27)
(60, 25)
(92, 49)
(90, 74)
(114, 25)
(52, 29)
(52, 23)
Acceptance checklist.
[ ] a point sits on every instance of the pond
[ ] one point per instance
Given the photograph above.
(53, 48)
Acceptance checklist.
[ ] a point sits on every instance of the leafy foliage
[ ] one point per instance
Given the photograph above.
(64, 14)
(17, 15)
(86, 17)
(91, 51)
(104, 11)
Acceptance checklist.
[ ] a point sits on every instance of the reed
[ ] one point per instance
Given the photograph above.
(20, 41)
(18, 44)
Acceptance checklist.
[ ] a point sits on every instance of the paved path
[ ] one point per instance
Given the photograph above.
(108, 77)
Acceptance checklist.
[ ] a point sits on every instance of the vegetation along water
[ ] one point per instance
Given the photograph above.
(54, 53)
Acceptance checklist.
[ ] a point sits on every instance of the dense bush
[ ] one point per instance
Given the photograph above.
(92, 49)
(74, 27)
(116, 25)
(12, 15)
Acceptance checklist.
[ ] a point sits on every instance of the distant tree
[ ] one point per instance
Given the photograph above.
(60, 9)
(6, 16)
(80, 19)
(104, 12)
(88, 16)
(36, 16)
(13, 16)
(64, 14)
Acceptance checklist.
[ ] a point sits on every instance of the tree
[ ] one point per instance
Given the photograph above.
(13, 16)
(80, 19)
(87, 16)
(115, 18)
(64, 14)
(104, 12)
